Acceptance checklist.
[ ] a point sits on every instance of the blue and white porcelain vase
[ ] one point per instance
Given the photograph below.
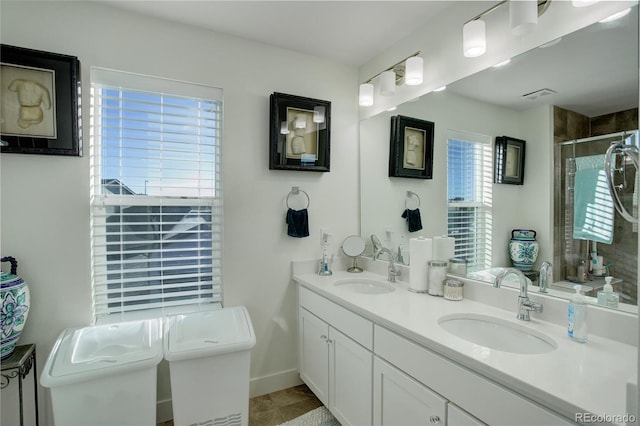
(14, 307)
(523, 248)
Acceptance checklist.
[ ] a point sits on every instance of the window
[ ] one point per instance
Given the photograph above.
(156, 193)
(469, 183)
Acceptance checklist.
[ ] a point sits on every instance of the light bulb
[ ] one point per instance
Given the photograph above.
(474, 41)
(366, 94)
(318, 114)
(413, 71)
(523, 16)
(387, 83)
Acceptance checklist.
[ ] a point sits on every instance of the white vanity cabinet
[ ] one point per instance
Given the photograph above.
(487, 401)
(367, 374)
(398, 399)
(458, 417)
(335, 358)
(313, 363)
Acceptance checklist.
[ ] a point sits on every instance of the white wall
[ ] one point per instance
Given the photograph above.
(45, 199)
(514, 206)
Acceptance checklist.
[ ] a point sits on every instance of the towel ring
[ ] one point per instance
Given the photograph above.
(295, 191)
(409, 195)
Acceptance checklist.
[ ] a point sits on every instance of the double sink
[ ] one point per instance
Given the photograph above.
(484, 330)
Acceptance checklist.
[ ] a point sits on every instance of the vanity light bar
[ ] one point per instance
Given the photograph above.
(411, 70)
(522, 17)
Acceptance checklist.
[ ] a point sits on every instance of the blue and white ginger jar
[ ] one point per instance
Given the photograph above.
(523, 248)
(14, 307)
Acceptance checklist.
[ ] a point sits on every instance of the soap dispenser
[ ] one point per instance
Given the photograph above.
(577, 329)
(607, 297)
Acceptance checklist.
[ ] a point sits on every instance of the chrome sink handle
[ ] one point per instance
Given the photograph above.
(545, 271)
(393, 272)
(524, 304)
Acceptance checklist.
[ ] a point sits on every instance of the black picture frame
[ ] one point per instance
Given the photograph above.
(509, 160)
(50, 124)
(299, 137)
(411, 148)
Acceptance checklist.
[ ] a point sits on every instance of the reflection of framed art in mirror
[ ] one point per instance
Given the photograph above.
(509, 160)
(411, 149)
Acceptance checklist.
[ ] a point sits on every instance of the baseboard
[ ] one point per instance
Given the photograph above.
(257, 386)
(274, 382)
(164, 411)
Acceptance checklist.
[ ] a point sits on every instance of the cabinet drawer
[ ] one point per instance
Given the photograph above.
(497, 406)
(353, 325)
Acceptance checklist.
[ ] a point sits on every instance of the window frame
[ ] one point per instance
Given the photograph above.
(167, 207)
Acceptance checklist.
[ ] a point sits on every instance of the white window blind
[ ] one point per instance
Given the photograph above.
(156, 192)
(469, 184)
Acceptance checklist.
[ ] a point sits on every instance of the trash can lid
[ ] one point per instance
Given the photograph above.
(82, 354)
(210, 333)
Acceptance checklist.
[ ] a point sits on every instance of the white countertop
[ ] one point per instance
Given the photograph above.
(573, 378)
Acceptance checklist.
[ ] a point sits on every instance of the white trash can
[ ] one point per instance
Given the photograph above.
(209, 357)
(105, 374)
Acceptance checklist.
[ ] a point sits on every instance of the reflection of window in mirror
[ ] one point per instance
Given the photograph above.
(469, 159)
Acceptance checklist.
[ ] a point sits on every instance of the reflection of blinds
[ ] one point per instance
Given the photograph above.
(156, 211)
(593, 209)
(469, 183)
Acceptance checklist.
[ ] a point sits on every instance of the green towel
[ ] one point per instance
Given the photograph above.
(593, 210)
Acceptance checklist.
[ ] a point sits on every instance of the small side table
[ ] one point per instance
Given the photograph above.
(19, 364)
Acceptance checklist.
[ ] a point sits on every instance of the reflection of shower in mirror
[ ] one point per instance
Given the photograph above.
(592, 213)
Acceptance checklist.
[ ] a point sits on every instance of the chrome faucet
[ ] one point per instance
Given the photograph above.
(524, 304)
(545, 271)
(393, 272)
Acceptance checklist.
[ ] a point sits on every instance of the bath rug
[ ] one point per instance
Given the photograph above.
(318, 417)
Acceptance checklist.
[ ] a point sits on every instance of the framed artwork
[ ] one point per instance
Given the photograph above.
(299, 137)
(411, 149)
(39, 112)
(509, 160)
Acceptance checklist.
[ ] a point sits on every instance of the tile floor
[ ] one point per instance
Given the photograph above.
(278, 407)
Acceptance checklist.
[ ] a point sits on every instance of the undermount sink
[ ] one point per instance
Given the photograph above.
(366, 285)
(497, 333)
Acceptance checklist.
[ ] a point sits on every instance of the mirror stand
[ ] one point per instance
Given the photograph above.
(355, 267)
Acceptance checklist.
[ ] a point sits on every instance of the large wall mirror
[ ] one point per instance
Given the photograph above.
(567, 99)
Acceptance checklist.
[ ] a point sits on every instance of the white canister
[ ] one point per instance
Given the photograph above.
(458, 266)
(453, 289)
(437, 275)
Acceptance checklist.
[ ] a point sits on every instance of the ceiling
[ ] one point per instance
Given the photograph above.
(594, 71)
(349, 32)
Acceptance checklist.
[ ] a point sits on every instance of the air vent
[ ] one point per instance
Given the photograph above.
(538, 94)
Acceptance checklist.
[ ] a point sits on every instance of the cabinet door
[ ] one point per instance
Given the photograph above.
(313, 334)
(350, 367)
(457, 417)
(399, 399)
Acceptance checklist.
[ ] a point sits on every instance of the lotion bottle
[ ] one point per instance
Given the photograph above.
(577, 329)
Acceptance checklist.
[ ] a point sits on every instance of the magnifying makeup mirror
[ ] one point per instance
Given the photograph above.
(353, 246)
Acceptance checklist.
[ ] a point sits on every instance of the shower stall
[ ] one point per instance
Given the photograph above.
(595, 203)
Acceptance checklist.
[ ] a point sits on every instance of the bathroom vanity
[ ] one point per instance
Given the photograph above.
(375, 353)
